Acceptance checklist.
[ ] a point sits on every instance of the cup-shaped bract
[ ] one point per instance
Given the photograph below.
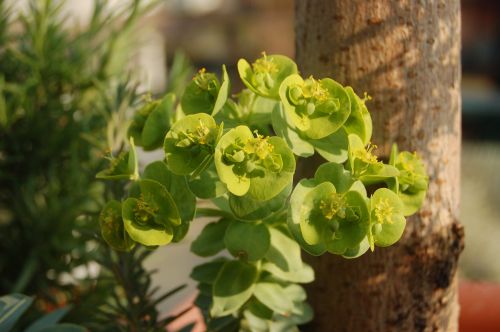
(190, 143)
(412, 181)
(266, 74)
(150, 219)
(205, 93)
(317, 108)
(257, 165)
(112, 228)
(151, 122)
(322, 218)
(387, 221)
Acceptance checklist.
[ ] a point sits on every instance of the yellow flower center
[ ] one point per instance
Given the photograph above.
(366, 154)
(143, 211)
(259, 146)
(312, 89)
(264, 65)
(201, 134)
(333, 206)
(384, 212)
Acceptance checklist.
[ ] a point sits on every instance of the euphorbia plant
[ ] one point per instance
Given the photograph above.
(240, 152)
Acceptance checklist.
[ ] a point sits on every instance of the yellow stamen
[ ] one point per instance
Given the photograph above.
(384, 212)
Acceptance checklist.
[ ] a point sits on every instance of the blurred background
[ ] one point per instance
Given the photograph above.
(177, 36)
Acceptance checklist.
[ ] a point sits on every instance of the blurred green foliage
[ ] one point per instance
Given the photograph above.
(64, 99)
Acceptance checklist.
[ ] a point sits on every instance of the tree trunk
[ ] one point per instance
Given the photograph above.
(406, 55)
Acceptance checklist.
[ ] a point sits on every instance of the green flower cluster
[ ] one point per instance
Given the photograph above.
(240, 152)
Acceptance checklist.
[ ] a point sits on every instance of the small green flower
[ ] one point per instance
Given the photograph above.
(387, 221)
(266, 74)
(190, 143)
(317, 108)
(260, 166)
(412, 182)
(205, 94)
(152, 217)
(329, 212)
(328, 219)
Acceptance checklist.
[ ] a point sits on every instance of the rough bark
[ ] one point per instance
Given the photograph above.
(406, 55)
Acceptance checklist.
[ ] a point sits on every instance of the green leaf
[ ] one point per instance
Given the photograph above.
(259, 309)
(266, 74)
(284, 251)
(233, 286)
(48, 320)
(211, 239)
(254, 323)
(189, 142)
(248, 240)
(138, 122)
(247, 208)
(274, 297)
(224, 92)
(207, 273)
(157, 123)
(359, 121)
(12, 307)
(112, 227)
(304, 274)
(295, 293)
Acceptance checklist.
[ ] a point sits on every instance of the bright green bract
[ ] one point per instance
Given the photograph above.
(317, 108)
(205, 94)
(190, 143)
(266, 74)
(151, 218)
(260, 166)
(387, 221)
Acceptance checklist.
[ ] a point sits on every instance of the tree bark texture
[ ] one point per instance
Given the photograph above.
(406, 55)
